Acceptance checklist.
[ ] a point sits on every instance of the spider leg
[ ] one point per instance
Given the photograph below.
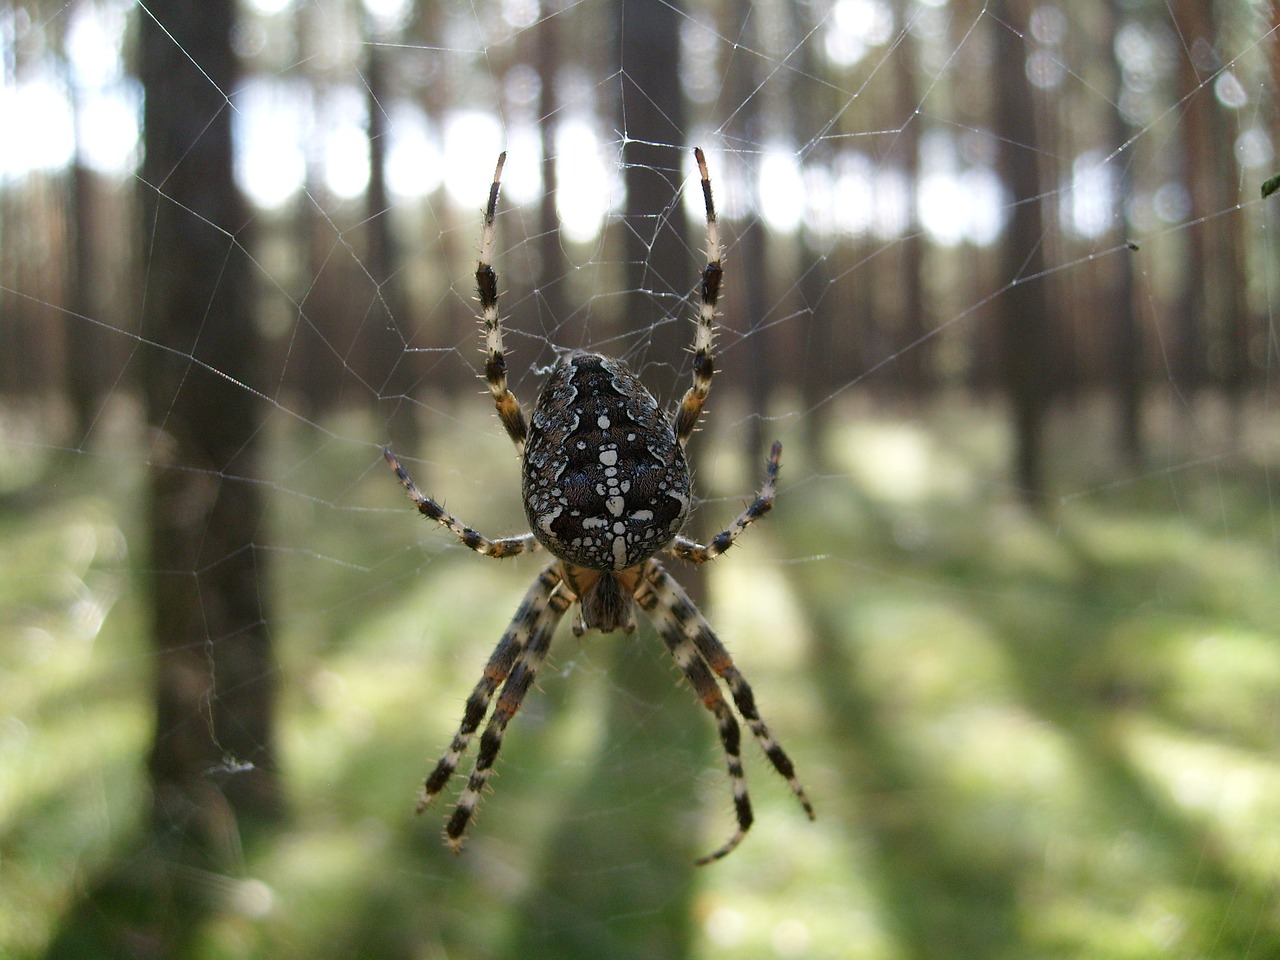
(495, 366)
(506, 547)
(686, 415)
(662, 595)
(695, 552)
(529, 615)
(512, 696)
(695, 669)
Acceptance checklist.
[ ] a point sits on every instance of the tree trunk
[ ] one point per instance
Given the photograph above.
(1023, 309)
(393, 366)
(213, 762)
(1197, 301)
(86, 344)
(913, 346)
(1127, 369)
(748, 290)
(553, 278)
(651, 116)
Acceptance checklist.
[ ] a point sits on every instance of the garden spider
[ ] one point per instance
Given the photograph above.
(605, 487)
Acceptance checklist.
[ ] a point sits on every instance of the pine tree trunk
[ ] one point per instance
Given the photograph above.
(213, 759)
(1023, 309)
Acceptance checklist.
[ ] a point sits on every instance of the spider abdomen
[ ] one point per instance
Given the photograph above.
(605, 482)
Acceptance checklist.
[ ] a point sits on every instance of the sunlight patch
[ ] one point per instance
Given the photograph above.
(1232, 791)
(899, 462)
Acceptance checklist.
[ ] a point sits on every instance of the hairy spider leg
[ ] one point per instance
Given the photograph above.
(699, 675)
(686, 416)
(495, 366)
(512, 696)
(677, 615)
(506, 547)
(695, 552)
(501, 662)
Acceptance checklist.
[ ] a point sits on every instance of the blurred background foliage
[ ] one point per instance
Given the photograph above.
(999, 276)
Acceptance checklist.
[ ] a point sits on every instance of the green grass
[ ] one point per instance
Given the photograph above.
(1025, 736)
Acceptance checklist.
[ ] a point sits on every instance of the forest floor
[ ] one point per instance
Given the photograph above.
(1026, 734)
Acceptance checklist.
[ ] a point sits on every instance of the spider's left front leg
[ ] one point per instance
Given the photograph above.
(695, 552)
(506, 547)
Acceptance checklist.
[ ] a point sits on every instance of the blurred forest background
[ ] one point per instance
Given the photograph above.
(1000, 275)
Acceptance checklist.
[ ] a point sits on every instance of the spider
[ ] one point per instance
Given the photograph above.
(605, 487)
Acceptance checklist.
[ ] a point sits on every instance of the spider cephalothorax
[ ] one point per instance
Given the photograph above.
(605, 488)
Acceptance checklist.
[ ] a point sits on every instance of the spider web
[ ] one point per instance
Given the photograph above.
(1027, 729)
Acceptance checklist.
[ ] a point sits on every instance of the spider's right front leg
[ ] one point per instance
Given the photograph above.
(495, 365)
(506, 547)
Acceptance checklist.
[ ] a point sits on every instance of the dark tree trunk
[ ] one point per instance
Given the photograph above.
(86, 343)
(392, 329)
(1188, 366)
(1204, 297)
(748, 288)
(820, 373)
(1127, 369)
(1023, 309)
(915, 349)
(651, 115)
(552, 276)
(213, 763)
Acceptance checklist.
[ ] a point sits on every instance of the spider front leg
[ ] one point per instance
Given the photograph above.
(506, 547)
(495, 366)
(695, 552)
(686, 416)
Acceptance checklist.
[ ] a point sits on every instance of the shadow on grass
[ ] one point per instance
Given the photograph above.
(616, 874)
(939, 900)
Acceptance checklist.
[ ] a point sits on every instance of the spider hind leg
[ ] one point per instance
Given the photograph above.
(702, 657)
(511, 698)
(730, 739)
(516, 653)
